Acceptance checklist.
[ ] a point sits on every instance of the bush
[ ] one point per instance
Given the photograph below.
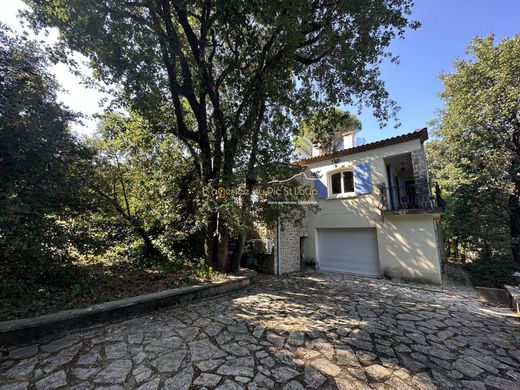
(33, 249)
(204, 271)
(492, 271)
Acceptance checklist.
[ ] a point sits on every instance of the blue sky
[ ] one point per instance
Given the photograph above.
(447, 28)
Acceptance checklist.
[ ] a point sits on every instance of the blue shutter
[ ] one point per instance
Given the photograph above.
(362, 179)
(320, 185)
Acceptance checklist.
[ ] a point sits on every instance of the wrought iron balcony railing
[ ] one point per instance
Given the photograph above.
(411, 198)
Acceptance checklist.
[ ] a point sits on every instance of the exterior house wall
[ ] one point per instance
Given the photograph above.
(408, 248)
(440, 244)
(286, 248)
(407, 244)
(289, 250)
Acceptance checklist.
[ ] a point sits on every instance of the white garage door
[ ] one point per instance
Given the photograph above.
(348, 250)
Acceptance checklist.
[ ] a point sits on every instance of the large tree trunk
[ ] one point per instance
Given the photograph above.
(250, 183)
(216, 243)
(221, 253)
(210, 238)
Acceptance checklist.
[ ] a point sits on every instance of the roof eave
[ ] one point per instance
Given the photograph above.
(421, 134)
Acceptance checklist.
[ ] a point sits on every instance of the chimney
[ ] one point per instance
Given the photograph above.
(317, 150)
(348, 139)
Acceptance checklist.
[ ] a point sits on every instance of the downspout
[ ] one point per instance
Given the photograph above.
(277, 271)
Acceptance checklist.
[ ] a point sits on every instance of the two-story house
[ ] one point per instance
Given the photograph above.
(378, 214)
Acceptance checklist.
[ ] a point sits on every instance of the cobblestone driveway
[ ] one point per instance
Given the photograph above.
(316, 331)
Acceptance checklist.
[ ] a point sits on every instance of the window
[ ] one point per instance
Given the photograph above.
(336, 183)
(342, 182)
(348, 181)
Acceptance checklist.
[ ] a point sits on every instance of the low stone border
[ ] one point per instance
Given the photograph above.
(497, 296)
(514, 294)
(29, 329)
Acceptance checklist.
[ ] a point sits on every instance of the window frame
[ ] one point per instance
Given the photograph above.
(341, 194)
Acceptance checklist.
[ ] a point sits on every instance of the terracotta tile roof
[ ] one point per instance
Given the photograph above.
(421, 134)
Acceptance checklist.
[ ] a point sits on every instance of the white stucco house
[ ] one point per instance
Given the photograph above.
(378, 213)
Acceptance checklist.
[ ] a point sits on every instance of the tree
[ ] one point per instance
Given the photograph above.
(215, 73)
(325, 128)
(477, 158)
(41, 168)
(476, 214)
(144, 178)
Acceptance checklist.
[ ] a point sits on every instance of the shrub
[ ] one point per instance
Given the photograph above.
(492, 271)
(204, 271)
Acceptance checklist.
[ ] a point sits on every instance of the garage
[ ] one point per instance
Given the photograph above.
(348, 250)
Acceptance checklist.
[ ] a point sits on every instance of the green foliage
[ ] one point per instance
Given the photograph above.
(325, 128)
(492, 271)
(149, 184)
(87, 282)
(168, 266)
(41, 170)
(231, 78)
(21, 295)
(127, 199)
(476, 158)
(99, 231)
(204, 271)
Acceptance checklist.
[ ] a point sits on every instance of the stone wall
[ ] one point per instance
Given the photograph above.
(419, 165)
(420, 172)
(289, 250)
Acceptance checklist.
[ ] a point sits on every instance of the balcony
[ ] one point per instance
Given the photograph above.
(417, 198)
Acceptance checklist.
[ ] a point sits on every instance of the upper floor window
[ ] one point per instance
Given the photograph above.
(342, 182)
(345, 182)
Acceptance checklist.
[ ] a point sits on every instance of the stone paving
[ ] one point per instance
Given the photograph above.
(304, 331)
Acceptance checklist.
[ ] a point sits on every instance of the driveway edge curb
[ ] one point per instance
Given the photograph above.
(25, 330)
